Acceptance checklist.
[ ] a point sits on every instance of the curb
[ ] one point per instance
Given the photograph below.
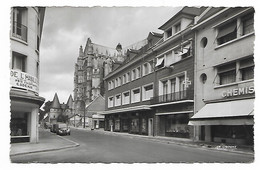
(47, 150)
(171, 142)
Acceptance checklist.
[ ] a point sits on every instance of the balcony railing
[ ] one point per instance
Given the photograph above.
(19, 31)
(177, 96)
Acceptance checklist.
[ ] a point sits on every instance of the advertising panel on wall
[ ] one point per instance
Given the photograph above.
(24, 81)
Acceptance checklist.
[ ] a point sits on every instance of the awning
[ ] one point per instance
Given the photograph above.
(227, 30)
(159, 61)
(185, 50)
(239, 112)
(174, 113)
(127, 109)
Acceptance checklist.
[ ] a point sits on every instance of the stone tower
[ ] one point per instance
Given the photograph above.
(93, 63)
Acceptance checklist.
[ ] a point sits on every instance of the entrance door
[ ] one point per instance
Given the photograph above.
(150, 127)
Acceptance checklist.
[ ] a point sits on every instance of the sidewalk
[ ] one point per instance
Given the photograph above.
(181, 141)
(47, 142)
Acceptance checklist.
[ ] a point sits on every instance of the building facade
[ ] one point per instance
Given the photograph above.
(61, 112)
(224, 75)
(93, 63)
(151, 93)
(25, 37)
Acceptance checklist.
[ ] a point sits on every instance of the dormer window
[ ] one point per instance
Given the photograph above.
(168, 33)
(177, 27)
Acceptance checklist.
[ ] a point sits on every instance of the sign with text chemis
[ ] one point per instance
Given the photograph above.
(238, 91)
(24, 81)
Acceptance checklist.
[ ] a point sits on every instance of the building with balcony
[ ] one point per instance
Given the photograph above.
(25, 36)
(151, 92)
(224, 75)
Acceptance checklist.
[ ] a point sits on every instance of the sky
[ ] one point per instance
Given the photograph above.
(65, 29)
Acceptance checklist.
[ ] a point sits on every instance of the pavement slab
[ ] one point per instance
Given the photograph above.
(47, 142)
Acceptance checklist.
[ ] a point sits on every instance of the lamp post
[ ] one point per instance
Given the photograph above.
(84, 126)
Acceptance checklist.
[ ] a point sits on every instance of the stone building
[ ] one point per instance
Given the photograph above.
(25, 37)
(93, 64)
(57, 109)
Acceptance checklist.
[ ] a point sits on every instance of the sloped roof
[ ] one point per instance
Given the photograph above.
(70, 102)
(55, 102)
(189, 11)
(97, 105)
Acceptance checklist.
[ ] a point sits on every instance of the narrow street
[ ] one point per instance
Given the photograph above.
(104, 148)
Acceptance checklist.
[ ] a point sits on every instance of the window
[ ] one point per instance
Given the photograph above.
(19, 23)
(160, 62)
(135, 96)
(18, 61)
(80, 79)
(124, 79)
(165, 87)
(247, 73)
(138, 72)
(118, 100)
(110, 101)
(168, 33)
(248, 24)
(173, 85)
(227, 32)
(246, 68)
(227, 73)
(185, 51)
(127, 77)
(147, 67)
(177, 27)
(133, 74)
(203, 78)
(38, 34)
(116, 82)
(126, 98)
(147, 92)
(119, 81)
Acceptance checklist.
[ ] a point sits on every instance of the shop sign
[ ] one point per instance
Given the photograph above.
(238, 91)
(23, 80)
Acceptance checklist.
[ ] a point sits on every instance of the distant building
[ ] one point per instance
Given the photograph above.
(224, 67)
(25, 37)
(94, 113)
(57, 109)
(93, 63)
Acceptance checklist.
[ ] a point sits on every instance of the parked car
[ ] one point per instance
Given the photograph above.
(63, 131)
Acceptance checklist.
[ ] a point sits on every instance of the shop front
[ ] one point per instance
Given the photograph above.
(175, 124)
(131, 122)
(226, 122)
(24, 118)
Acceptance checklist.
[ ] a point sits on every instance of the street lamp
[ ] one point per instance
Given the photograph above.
(84, 126)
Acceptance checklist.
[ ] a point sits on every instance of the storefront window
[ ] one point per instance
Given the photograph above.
(177, 125)
(18, 124)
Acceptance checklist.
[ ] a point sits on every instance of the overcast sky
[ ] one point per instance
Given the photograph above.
(66, 28)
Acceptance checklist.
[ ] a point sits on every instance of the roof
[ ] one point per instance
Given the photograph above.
(70, 102)
(55, 102)
(97, 105)
(188, 11)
